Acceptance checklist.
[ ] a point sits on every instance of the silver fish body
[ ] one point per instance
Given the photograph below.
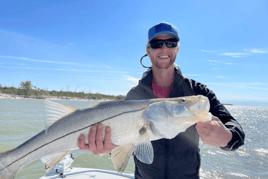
(134, 124)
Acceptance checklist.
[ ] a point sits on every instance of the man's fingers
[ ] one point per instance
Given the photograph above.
(81, 143)
(214, 118)
(207, 124)
(203, 132)
(203, 124)
(99, 137)
(204, 140)
(107, 138)
(91, 138)
(95, 140)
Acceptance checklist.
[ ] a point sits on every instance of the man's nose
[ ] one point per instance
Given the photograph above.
(164, 46)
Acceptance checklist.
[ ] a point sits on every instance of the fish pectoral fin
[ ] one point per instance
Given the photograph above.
(120, 156)
(53, 159)
(144, 152)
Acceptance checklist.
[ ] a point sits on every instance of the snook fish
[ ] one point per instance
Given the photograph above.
(134, 124)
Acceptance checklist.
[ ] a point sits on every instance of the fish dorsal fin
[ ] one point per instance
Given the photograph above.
(54, 159)
(94, 105)
(100, 104)
(55, 111)
(120, 156)
(144, 151)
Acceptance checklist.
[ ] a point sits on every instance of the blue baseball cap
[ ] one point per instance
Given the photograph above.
(163, 28)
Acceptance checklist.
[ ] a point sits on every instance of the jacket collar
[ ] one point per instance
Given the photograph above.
(147, 76)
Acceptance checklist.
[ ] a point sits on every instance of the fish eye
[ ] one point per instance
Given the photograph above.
(183, 100)
(142, 130)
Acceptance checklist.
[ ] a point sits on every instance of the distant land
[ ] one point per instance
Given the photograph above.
(227, 104)
(28, 91)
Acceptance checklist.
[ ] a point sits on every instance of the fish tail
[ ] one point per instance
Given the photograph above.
(7, 169)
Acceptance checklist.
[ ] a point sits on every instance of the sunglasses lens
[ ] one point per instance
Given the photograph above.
(155, 45)
(170, 43)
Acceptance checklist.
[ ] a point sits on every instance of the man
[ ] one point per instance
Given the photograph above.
(178, 157)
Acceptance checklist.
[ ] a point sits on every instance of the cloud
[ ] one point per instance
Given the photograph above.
(214, 61)
(208, 51)
(55, 62)
(220, 77)
(40, 61)
(235, 55)
(132, 79)
(193, 75)
(131, 86)
(92, 78)
(238, 54)
(258, 83)
(254, 50)
(244, 54)
(66, 69)
(249, 85)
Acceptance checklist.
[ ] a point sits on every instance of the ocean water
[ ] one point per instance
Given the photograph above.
(22, 119)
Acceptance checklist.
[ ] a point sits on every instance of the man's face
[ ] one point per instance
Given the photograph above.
(163, 58)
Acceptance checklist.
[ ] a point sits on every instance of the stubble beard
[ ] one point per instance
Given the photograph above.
(163, 66)
(160, 65)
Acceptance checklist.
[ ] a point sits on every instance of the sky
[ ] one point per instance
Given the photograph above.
(96, 46)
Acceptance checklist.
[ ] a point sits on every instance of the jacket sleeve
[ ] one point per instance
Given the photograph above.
(217, 109)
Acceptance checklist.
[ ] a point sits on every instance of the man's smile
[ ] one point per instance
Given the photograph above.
(164, 56)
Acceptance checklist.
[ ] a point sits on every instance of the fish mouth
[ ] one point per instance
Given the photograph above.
(202, 105)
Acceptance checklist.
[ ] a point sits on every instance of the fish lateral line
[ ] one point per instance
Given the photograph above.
(66, 135)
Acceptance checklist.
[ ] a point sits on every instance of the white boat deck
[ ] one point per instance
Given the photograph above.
(88, 173)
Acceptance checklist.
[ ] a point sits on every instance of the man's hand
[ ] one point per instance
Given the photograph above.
(214, 133)
(95, 140)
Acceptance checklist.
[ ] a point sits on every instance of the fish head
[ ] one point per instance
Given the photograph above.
(187, 106)
(170, 116)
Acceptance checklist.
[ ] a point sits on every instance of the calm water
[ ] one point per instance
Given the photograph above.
(22, 119)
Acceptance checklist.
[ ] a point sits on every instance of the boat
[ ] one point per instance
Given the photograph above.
(65, 170)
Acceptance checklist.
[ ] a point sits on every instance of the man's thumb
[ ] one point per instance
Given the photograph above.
(214, 118)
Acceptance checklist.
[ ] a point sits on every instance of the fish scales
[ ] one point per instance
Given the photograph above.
(43, 144)
(134, 124)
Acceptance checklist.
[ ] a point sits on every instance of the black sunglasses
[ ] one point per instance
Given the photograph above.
(158, 43)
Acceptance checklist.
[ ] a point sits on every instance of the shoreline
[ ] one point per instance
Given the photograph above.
(9, 96)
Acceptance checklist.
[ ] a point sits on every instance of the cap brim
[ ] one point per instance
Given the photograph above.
(175, 36)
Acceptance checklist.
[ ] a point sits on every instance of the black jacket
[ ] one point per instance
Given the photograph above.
(180, 157)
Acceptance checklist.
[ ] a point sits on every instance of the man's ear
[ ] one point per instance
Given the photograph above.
(148, 51)
(178, 49)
